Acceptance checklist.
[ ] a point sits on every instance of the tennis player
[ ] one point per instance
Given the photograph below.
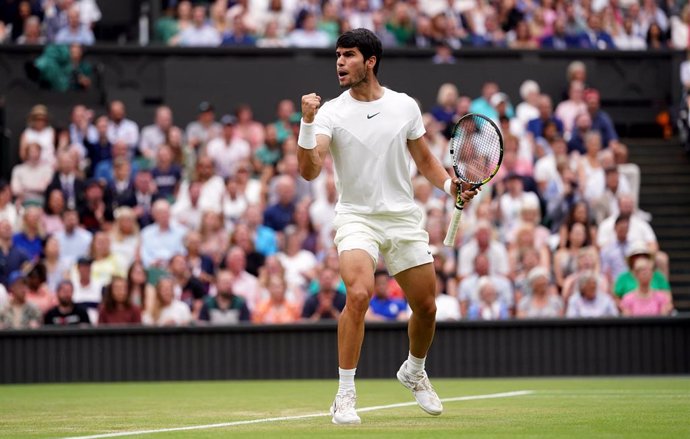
(369, 130)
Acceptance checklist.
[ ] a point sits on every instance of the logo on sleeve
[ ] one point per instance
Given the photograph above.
(369, 116)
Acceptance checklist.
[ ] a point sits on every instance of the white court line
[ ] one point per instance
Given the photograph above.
(291, 418)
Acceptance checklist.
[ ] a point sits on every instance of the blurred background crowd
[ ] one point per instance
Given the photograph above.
(441, 24)
(110, 220)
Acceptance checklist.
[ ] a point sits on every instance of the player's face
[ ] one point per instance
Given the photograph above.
(351, 67)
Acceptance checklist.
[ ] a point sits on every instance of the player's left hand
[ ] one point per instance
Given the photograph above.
(467, 192)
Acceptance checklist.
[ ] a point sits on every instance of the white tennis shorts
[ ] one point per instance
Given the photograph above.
(401, 239)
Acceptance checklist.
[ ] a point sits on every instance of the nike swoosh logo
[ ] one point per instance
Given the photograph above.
(369, 116)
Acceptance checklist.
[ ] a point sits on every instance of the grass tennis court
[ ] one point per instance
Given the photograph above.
(557, 408)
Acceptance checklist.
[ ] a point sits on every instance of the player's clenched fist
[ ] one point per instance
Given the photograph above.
(310, 105)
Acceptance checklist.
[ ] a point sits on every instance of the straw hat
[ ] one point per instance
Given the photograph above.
(38, 111)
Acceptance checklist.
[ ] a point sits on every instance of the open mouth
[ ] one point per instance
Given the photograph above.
(342, 73)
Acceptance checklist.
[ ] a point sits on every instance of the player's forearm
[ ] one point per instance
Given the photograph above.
(432, 170)
(309, 163)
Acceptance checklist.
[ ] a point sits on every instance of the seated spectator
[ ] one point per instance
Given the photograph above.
(560, 39)
(99, 148)
(279, 215)
(639, 230)
(401, 24)
(276, 308)
(528, 259)
(540, 303)
(527, 109)
(644, 300)
(447, 306)
(12, 257)
(272, 36)
(226, 307)
(57, 268)
(201, 266)
(489, 306)
(526, 238)
(81, 129)
(307, 34)
(229, 149)
(587, 260)
(627, 282)
(446, 102)
(601, 121)
(211, 187)
(483, 242)
(545, 107)
(38, 292)
(75, 241)
(493, 35)
(124, 236)
(509, 204)
(18, 313)
(117, 307)
(204, 128)
(299, 264)
(565, 258)
(192, 290)
(234, 203)
(66, 312)
(200, 32)
(186, 211)
(31, 178)
(104, 264)
(590, 167)
(215, 240)
(8, 210)
(31, 235)
(87, 293)
(243, 284)
(579, 213)
(238, 34)
(595, 36)
(32, 33)
(327, 304)
(120, 128)
(521, 37)
(67, 180)
(166, 310)
(142, 293)
(174, 20)
(142, 197)
(613, 255)
(75, 31)
(568, 110)
(382, 307)
(162, 239)
(468, 290)
(482, 104)
(167, 175)
(154, 135)
(627, 39)
(53, 209)
(590, 300)
(96, 213)
(270, 152)
(38, 130)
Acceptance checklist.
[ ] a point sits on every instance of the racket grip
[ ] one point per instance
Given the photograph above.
(453, 228)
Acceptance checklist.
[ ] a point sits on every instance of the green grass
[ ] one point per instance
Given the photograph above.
(558, 408)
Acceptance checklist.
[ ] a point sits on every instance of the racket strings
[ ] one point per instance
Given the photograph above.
(476, 149)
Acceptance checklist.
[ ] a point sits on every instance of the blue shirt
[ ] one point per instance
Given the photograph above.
(32, 247)
(157, 244)
(387, 308)
(279, 216)
(166, 181)
(75, 245)
(11, 261)
(82, 36)
(536, 126)
(602, 123)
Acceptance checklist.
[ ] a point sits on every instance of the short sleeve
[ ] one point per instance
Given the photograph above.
(323, 122)
(416, 129)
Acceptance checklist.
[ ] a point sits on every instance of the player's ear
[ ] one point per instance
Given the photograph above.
(371, 62)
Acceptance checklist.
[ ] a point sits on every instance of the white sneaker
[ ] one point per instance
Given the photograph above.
(343, 409)
(422, 390)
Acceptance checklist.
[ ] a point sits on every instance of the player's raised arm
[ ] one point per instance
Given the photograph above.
(312, 147)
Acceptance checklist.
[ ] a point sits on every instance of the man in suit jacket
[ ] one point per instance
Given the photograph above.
(65, 179)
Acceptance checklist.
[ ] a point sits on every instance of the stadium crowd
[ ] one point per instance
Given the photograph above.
(443, 24)
(110, 220)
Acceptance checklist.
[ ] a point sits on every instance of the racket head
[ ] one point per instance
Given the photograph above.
(476, 149)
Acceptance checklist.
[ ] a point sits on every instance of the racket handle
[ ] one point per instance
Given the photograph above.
(453, 228)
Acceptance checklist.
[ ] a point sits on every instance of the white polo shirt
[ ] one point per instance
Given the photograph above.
(369, 149)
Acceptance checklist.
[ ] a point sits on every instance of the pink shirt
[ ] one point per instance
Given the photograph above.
(653, 305)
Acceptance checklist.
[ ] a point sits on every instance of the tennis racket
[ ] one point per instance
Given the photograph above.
(476, 148)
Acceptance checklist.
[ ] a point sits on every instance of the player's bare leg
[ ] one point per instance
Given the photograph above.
(419, 285)
(357, 271)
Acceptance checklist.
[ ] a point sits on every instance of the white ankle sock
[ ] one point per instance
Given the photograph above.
(346, 381)
(414, 364)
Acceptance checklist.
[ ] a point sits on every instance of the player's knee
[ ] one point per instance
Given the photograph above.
(425, 309)
(358, 300)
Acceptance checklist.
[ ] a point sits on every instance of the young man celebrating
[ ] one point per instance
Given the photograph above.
(369, 129)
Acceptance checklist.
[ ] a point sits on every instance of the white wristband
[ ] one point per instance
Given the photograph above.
(447, 186)
(306, 138)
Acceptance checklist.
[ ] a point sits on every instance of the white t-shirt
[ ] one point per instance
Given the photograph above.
(369, 149)
(226, 155)
(638, 230)
(177, 312)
